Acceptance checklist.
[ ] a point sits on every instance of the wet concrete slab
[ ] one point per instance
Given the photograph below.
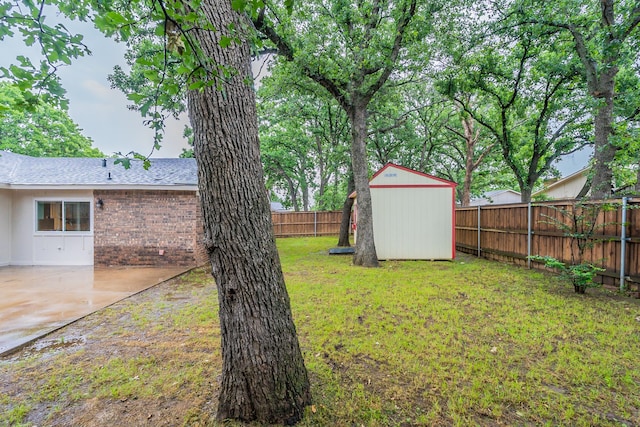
(37, 300)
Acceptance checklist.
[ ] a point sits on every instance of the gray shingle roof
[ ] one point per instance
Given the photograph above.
(17, 169)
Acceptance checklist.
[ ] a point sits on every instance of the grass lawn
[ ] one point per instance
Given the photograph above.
(469, 342)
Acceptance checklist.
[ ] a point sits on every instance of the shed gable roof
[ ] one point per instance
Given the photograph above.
(392, 175)
(17, 169)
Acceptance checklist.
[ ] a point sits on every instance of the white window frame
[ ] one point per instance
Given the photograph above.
(63, 200)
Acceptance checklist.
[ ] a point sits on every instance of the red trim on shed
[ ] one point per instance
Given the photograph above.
(442, 183)
(410, 186)
(453, 223)
(426, 175)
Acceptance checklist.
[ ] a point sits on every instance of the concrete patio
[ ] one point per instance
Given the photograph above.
(37, 300)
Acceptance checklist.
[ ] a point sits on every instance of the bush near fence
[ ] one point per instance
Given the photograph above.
(310, 223)
(503, 236)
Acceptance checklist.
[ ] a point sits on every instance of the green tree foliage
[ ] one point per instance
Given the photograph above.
(304, 140)
(41, 130)
(525, 93)
(605, 40)
(351, 50)
(58, 46)
(448, 143)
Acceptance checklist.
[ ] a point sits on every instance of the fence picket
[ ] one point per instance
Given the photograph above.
(309, 223)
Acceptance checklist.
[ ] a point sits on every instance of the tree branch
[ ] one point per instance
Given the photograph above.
(286, 50)
(395, 50)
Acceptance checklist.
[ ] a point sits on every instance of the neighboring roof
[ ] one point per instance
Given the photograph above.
(563, 181)
(277, 207)
(497, 197)
(20, 170)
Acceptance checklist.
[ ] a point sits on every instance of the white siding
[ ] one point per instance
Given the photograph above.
(5, 227)
(32, 248)
(566, 190)
(413, 223)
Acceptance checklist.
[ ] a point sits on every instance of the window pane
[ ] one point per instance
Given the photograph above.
(76, 216)
(49, 216)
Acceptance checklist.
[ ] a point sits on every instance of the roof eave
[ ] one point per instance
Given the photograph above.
(171, 187)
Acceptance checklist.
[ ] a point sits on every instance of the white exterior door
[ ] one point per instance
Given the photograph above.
(62, 250)
(63, 231)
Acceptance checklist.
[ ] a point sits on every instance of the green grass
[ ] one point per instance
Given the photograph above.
(461, 343)
(468, 342)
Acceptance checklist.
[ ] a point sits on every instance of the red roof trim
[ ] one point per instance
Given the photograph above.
(426, 175)
(409, 186)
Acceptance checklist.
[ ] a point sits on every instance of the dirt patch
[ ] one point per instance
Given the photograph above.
(119, 359)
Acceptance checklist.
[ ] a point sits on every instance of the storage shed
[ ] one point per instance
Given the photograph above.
(413, 214)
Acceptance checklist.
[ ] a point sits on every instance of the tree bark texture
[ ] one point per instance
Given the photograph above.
(604, 151)
(470, 139)
(365, 253)
(343, 238)
(601, 84)
(263, 373)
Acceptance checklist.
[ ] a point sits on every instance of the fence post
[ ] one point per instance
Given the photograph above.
(315, 223)
(623, 243)
(479, 228)
(529, 235)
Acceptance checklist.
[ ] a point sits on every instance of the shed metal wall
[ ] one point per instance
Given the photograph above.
(413, 223)
(413, 214)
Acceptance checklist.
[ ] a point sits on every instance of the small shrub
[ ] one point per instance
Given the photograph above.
(581, 275)
(580, 223)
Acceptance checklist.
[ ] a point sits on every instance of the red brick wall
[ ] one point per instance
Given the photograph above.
(148, 228)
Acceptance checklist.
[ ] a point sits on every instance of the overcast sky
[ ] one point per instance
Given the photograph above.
(101, 111)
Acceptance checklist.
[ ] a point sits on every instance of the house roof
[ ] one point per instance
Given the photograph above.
(21, 170)
(496, 197)
(494, 193)
(277, 207)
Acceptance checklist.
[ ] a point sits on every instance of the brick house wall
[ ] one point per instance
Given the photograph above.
(148, 228)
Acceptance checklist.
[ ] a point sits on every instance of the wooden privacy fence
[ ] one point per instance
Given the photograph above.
(513, 232)
(291, 224)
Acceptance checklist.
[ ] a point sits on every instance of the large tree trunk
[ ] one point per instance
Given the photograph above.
(263, 373)
(604, 151)
(601, 83)
(525, 193)
(365, 254)
(470, 141)
(293, 192)
(343, 238)
(304, 189)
